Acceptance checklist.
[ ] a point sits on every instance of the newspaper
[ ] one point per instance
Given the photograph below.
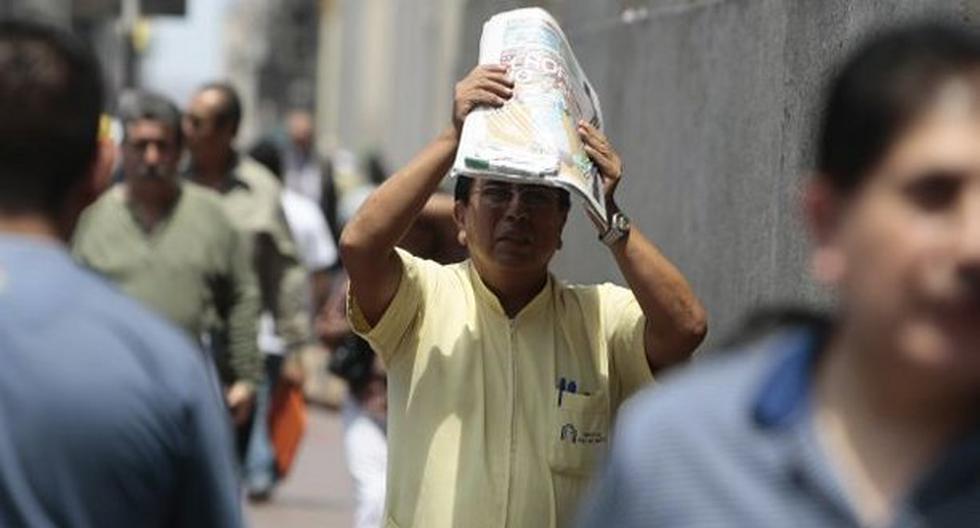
(534, 137)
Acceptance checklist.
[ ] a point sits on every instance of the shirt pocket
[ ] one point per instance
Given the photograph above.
(580, 433)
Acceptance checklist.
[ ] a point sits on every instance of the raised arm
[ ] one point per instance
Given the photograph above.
(676, 323)
(367, 245)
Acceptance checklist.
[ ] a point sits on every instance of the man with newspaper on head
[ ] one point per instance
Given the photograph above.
(503, 381)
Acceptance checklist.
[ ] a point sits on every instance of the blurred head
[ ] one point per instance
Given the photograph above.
(267, 153)
(152, 138)
(357, 364)
(212, 120)
(301, 131)
(895, 206)
(508, 226)
(50, 102)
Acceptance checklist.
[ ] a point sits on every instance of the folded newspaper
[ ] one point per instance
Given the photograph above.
(533, 138)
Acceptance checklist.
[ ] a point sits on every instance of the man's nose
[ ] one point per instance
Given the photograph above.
(152, 154)
(516, 205)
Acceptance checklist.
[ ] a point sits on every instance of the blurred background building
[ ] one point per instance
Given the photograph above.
(711, 102)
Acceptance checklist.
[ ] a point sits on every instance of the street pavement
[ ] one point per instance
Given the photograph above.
(318, 493)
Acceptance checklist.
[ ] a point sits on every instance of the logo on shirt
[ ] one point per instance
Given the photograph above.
(569, 433)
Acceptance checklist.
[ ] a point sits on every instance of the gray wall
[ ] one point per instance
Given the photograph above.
(711, 104)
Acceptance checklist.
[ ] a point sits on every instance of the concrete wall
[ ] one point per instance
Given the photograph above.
(710, 102)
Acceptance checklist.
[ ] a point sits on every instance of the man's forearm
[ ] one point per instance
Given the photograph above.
(292, 315)
(676, 320)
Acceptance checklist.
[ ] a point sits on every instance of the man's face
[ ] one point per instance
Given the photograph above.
(511, 227)
(201, 127)
(150, 152)
(907, 243)
(301, 132)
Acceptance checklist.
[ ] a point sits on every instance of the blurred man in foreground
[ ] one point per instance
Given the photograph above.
(868, 419)
(503, 381)
(108, 415)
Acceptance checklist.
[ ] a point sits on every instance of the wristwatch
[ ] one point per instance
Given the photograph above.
(619, 227)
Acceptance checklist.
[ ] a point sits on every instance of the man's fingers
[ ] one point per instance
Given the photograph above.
(500, 89)
(496, 73)
(598, 158)
(491, 68)
(592, 136)
(487, 98)
(500, 77)
(608, 165)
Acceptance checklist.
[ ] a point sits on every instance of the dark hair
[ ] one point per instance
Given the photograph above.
(230, 112)
(376, 169)
(464, 184)
(266, 152)
(51, 98)
(354, 363)
(883, 86)
(140, 104)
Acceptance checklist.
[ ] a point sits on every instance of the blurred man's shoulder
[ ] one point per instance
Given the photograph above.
(257, 175)
(714, 394)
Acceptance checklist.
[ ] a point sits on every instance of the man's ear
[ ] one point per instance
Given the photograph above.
(87, 189)
(823, 209)
(459, 216)
(101, 178)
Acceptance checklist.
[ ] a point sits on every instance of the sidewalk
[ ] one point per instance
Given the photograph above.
(319, 492)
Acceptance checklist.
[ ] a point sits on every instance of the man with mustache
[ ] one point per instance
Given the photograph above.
(168, 242)
(503, 381)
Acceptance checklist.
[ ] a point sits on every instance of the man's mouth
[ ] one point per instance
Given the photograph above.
(514, 238)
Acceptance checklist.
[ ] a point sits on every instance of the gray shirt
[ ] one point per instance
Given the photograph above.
(108, 415)
(731, 443)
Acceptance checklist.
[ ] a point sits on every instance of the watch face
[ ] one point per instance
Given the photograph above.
(621, 222)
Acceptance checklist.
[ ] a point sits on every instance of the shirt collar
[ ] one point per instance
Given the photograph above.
(233, 177)
(783, 396)
(484, 295)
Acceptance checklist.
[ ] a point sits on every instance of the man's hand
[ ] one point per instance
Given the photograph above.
(675, 320)
(240, 398)
(487, 85)
(604, 156)
(292, 369)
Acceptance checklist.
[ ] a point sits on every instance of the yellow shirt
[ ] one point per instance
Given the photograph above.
(477, 437)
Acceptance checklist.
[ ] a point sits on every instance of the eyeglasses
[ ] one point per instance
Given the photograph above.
(498, 195)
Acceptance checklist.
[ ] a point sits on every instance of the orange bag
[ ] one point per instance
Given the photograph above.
(287, 422)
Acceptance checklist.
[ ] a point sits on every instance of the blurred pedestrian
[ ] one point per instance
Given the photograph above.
(502, 380)
(365, 417)
(169, 243)
(109, 416)
(305, 172)
(251, 196)
(316, 247)
(868, 418)
(318, 254)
